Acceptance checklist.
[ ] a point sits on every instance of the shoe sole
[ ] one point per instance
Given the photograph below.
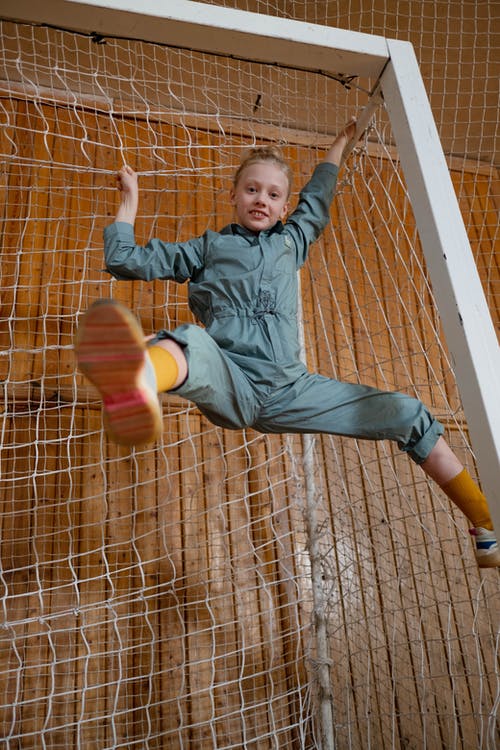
(489, 561)
(110, 352)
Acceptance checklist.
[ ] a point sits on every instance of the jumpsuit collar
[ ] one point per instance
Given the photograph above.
(243, 232)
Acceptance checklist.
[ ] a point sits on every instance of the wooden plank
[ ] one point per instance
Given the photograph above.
(121, 602)
(248, 688)
(478, 201)
(93, 587)
(260, 498)
(196, 603)
(28, 604)
(33, 258)
(10, 193)
(53, 541)
(17, 574)
(15, 293)
(171, 650)
(287, 525)
(226, 722)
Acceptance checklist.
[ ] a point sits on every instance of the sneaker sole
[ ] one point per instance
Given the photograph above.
(489, 561)
(110, 352)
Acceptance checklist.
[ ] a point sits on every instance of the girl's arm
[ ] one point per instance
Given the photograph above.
(334, 155)
(313, 211)
(157, 260)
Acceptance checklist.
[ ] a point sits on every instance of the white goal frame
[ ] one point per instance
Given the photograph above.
(467, 324)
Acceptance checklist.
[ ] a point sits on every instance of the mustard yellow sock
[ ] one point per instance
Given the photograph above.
(165, 367)
(466, 495)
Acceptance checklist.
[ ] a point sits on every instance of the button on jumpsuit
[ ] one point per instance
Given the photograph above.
(244, 366)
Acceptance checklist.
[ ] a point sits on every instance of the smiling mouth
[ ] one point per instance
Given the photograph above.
(258, 215)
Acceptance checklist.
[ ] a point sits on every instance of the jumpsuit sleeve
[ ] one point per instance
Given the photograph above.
(312, 214)
(125, 259)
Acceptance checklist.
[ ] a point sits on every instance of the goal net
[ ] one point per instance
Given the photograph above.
(223, 589)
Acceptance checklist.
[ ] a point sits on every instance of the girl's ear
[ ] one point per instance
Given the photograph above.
(284, 211)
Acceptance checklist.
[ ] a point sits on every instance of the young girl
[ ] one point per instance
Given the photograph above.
(243, 368)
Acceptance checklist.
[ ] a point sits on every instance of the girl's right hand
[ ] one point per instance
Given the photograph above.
(127, 183)
(127, 180)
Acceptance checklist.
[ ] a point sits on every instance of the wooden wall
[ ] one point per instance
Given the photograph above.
(161, 598)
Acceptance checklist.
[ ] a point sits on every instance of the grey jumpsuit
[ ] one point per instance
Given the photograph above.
(244, 366)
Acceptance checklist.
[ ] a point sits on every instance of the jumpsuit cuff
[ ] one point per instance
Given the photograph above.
(420, 451)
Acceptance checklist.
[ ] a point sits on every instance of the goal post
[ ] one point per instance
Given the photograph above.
(392, 67)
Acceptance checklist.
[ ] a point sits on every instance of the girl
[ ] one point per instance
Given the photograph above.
(243, 368)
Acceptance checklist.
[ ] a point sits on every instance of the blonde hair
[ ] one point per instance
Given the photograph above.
(265, 154)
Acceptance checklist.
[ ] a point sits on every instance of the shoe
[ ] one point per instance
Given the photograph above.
(111, 353)
(487, 549)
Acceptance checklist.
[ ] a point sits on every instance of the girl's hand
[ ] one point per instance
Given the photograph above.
(127, 183)
(349, 130)
(127, 180)
(334, 155)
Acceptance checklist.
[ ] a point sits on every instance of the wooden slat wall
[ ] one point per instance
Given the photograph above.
(406, 595)
(160, 599)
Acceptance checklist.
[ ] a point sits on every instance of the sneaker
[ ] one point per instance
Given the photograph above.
(487, 549)
(111, 353)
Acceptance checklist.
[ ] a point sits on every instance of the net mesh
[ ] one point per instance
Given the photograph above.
(194, 594)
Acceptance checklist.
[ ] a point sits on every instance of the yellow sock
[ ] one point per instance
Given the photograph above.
(465, 493)
(165, 367)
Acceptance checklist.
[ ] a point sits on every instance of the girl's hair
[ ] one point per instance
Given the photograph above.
(265, 154)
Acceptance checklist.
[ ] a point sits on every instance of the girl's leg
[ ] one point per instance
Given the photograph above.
(129, 372)
(169, 363)
(112, 353)
(444, 467)
(441, 464)
(322, 405)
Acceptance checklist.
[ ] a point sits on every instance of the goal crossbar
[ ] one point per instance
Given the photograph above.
(210, 28)
(392, 67)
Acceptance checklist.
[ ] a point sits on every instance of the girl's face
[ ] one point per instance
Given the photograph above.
(260, 196)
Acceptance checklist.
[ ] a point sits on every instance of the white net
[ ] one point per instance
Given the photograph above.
(163, 598)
